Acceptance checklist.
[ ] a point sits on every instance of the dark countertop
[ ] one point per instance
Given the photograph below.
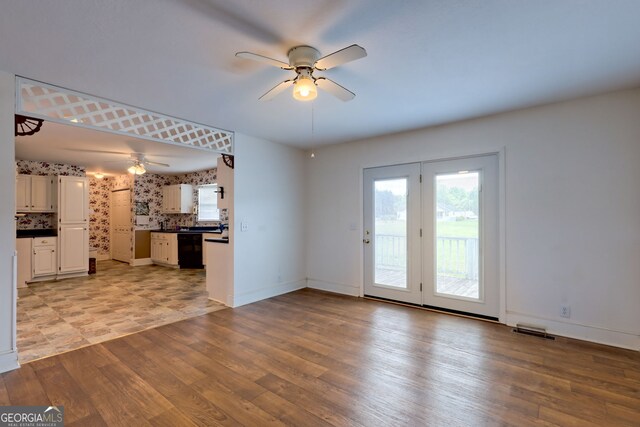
(48, 232)
(220, 240)
(194, 231)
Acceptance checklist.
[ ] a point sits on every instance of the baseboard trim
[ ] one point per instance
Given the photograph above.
(268, 292)
(140, 261)
(580, 332)
(9, 361)
(338, 288)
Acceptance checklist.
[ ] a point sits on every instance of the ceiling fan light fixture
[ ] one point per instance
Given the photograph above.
(137, 169)
(305, 89)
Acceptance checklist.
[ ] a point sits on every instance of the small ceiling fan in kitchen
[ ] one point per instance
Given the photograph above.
(304, 60)
(138, 162)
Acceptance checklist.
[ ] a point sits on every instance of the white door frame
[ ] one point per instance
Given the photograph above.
(502, 237)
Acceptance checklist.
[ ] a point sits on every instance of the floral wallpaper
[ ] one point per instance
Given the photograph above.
(38, 221)
(146, 194)
(100, 210)
(29, 167)
(99, 222)
(148, 189)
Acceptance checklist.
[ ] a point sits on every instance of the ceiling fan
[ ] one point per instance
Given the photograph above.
(138, 164)
(138, 161)
(304, 60)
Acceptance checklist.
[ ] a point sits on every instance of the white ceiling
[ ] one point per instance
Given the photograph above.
(430, 61)
(106, 152)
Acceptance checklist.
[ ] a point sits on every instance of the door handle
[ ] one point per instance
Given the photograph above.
(366, 241)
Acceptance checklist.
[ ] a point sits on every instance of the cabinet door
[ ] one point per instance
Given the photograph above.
(155, 250)
(172, 250)
(25, 270)
(167, 196)
(23, 193)
(162, 251)
(44, 261)
(74, 199)
(185, 195)
(175, 199)
(41, 189)
(74, 248)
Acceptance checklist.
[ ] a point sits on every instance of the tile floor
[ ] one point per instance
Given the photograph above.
(58, 316)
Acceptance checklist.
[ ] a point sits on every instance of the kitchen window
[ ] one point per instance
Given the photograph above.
(208, 203)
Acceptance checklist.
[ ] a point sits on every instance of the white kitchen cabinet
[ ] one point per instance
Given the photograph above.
(23, 247)
(164, 248)
(177, 199)
(23, 193)
(44, 257)
(74, 248)
(73, 231)
(73, 203)
(35, 193)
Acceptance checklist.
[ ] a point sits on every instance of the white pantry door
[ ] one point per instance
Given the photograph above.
(121, 225)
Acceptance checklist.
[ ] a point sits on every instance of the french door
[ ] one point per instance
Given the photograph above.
(392, 233)
(431, 234)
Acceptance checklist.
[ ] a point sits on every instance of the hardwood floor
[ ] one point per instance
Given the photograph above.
(316, 359)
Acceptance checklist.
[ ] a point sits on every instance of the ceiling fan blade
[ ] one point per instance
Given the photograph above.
(335, 89)
(97, 151)
(348, 54)
(265, 59)
(276, 90)
(147, 162)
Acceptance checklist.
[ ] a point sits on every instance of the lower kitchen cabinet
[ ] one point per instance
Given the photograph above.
(24, 249)
(74, 248)
(164, 248)
(45, 256)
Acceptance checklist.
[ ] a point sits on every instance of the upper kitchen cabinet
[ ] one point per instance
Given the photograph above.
(177, 199)
(35, 193)
(74, 199)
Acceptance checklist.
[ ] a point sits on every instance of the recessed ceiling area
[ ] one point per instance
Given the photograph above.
(428, 62)
(107, 152)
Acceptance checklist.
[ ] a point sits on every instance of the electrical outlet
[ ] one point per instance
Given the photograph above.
(244, 226)
(565, 311)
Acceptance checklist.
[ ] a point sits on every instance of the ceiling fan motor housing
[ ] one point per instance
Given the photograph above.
(303, 56)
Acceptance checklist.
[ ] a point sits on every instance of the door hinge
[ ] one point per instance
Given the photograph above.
(421, 232)
(420, 287)
(420, 177)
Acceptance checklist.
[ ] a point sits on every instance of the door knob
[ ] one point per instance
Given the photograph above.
(367, 241)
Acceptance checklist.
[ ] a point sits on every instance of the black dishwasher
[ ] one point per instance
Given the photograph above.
(190, 250)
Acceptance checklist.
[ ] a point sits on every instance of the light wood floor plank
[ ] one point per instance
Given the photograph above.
(315, 358)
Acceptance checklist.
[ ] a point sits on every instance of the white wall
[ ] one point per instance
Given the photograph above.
(269, 197)
(8, 355)
(572, 210)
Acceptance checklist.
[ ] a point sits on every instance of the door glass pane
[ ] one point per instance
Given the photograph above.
(390, 228)
(457, 234)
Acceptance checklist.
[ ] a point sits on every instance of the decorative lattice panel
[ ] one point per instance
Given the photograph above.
(64, 106)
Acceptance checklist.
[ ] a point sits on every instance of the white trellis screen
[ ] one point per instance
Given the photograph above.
(61, 105)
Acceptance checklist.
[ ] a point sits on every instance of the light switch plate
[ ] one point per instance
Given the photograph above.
(244, 226)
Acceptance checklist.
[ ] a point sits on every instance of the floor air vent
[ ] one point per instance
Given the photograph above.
(536, 331)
